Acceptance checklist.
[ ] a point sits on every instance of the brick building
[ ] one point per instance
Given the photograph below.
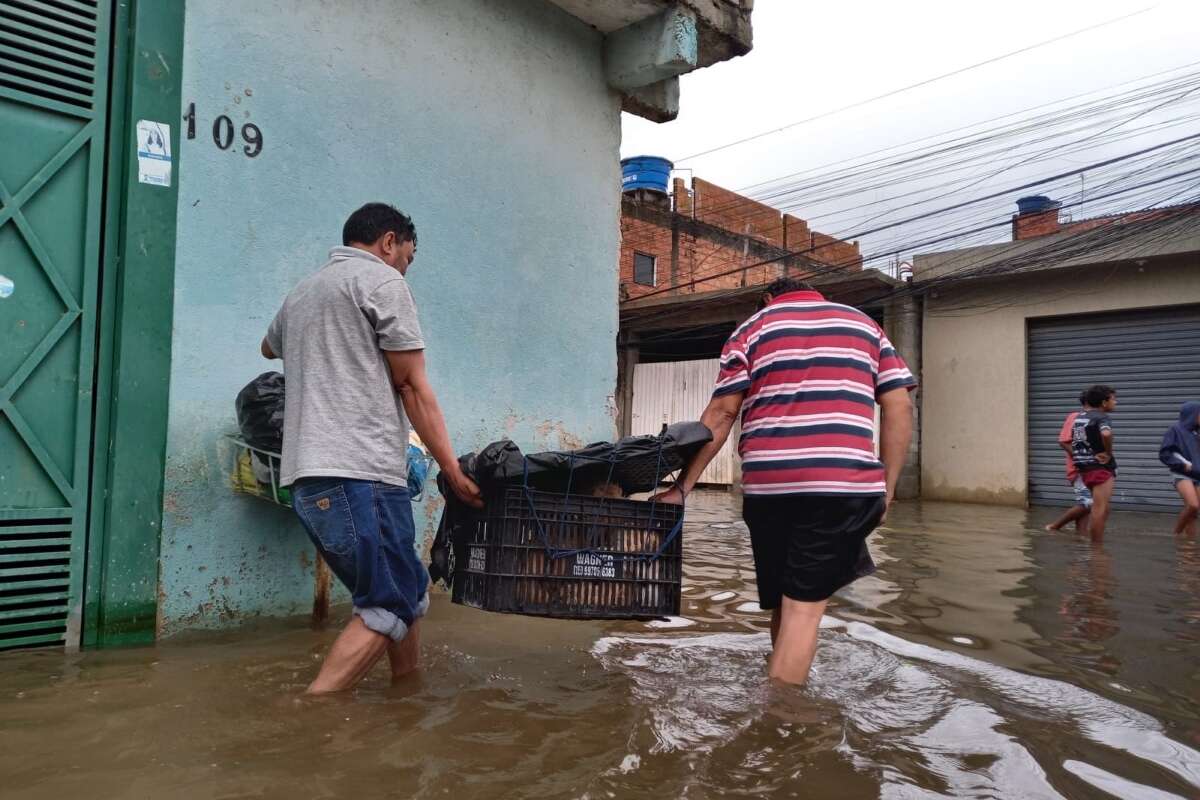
(1041, 216)
(1019, 328)
(669, 242)
(691, 269)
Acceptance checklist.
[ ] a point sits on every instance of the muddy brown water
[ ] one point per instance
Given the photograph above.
(985, 659)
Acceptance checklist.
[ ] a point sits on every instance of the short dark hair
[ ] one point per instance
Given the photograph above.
(1083, 398)
(784, 285)
(1095, 396)
(369, 223)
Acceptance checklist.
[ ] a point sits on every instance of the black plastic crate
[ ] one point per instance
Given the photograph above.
(572, 556)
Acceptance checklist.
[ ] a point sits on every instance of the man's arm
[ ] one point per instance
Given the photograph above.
(895, 433)
(272, 343)
(408, 376)
(1065, 433)
(718, 417)
(1107, 456)
(1174, 459)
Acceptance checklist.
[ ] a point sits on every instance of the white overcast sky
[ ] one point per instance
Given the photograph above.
(811, 57)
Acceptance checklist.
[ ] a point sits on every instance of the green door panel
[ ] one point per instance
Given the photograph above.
(54, 83)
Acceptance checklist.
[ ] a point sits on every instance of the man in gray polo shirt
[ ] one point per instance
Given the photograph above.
(355, 363)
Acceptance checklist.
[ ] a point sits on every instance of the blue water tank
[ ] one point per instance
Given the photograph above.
(1035, 204)
(645, 172)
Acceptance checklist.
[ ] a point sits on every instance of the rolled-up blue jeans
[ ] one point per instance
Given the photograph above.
(365, 532)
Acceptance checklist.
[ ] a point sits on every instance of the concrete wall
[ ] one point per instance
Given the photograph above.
(491, 124)
(974, 375)
(902, 324)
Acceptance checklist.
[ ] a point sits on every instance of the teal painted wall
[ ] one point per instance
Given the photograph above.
(491, 124)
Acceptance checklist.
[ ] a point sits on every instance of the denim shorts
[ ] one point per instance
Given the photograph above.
(365, 532)
(1083, 495)
(1175, 479)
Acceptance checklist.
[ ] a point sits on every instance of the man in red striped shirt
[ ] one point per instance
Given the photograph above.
(805, 374)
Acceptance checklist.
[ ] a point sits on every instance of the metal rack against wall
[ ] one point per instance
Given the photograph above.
(245, 480)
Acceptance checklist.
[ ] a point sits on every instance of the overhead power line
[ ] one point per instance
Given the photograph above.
(926, 82)
(947, 157)
(947, 209)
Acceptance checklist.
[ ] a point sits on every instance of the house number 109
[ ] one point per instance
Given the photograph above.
(223, 132)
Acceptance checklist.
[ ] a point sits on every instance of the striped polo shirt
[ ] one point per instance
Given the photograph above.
(811, 371)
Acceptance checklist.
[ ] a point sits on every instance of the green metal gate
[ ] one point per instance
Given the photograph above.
(54, 80)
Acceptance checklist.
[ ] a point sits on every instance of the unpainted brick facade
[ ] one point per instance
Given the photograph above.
(715, 239)
(1044, 223)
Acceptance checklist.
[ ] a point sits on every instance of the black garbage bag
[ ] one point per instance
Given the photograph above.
(260, 412)
(452, 527)
(459, 519)
(632, 464)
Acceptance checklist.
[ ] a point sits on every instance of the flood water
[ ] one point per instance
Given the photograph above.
(986, 658)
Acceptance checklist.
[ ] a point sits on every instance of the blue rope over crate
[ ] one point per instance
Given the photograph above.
(557, 553)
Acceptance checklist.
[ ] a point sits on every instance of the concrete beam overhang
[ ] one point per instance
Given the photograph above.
(653, 50)
(650, 43)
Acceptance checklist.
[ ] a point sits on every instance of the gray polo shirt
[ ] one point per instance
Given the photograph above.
(342, 416)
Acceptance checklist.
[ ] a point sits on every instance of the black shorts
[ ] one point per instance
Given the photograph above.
(808, 546)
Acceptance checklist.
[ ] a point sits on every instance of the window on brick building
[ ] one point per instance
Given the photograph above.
(644, 269)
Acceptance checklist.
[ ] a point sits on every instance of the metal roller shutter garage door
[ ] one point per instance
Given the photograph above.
(1151, 357)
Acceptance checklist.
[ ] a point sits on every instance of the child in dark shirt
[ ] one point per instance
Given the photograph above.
(1092, 452)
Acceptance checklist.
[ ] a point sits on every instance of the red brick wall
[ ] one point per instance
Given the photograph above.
(1028, 226)
(735, 213)
(835, 252)
(753, 232)
(681, 197)
(698, 256)
(1041, 223)
(643, 237)
(796, 235)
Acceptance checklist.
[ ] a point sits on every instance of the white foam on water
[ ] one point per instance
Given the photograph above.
(750, 608)
(723, 596)
(962, 640)
(700, 691)
(740, 642)
(693, 688)
(671, 622)
(968, 729)
(1114, 784)
(630, 763)
(869, 592)
(1101, 720)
